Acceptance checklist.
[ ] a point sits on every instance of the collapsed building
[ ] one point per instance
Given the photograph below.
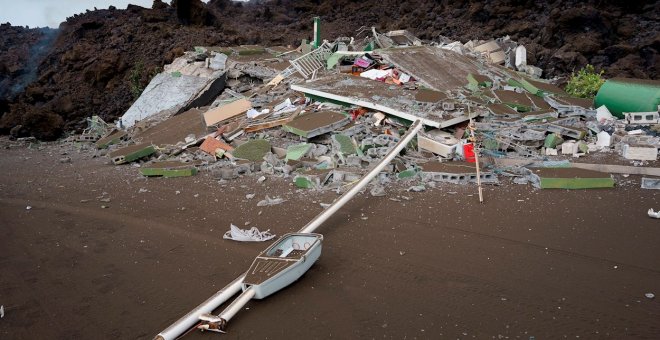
(323, 112)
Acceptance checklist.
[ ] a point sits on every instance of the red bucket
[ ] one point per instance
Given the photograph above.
(468, 152)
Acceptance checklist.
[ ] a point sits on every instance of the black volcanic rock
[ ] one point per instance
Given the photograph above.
(83, 68)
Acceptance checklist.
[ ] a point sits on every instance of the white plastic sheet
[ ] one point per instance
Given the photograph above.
(247, 235)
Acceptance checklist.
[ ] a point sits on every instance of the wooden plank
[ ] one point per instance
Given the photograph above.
(222, 113)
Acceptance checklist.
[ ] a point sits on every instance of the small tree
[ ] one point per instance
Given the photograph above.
(586, 83)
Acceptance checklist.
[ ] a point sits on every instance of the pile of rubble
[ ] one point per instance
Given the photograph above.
(323, 113)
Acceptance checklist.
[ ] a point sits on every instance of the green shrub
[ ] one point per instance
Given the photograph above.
(586, 83)
(135, 80)
(138, 77)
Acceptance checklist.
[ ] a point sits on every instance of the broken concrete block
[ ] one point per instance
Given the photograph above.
(407, 174)
(168, 169)
(317, 123)
(225, 173)
(550, 152)
(131, 153)
(604, 139)
(344, 175)
(297, 151)
(227, 111)
(253, 150)
(304, 182)
(650, 183)
(492, 50)
(377, 191)
(583, 147)
(343, 144)
(569, 148)
(640, 152)
(113, 137)
(218, 62)
(439, 142)
(642, 118)
(455, 172)
(552, 140)
(568, 131)
(270, 201)
(353, 160)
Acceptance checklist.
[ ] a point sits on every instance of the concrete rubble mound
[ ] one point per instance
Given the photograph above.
(323, 113)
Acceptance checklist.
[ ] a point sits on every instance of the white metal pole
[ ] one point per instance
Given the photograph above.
(183, 324)
(190, 319)
(237, 304)
(323, 216)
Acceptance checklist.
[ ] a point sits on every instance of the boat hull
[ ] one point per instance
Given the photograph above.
(283, 263)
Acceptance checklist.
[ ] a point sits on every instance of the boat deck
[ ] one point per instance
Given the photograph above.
(263, 268)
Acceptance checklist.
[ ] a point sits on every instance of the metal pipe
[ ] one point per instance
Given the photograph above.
(237, 304)
(323, 216)
(183, 324)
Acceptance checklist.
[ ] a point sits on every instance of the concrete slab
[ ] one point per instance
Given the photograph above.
(390, 99)
(429, 96)
(541, 88)
(502, 110)
(640, 152)
(169, 169)
(174, 129)
(169, 94)
(317, 123)
(515, 99)
(435, 68)
(253, 150)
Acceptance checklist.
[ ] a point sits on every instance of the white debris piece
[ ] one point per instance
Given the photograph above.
(247, 235)
(270, 201)
(455, 46)
(603, 114)
(654, 214)
(374, 74)
(2, 312)
(521, 57)
(604, 139)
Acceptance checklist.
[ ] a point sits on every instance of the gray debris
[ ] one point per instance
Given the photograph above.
(270, 201)
(377, 191)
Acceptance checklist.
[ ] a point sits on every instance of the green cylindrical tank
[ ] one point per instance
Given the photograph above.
(621, 95)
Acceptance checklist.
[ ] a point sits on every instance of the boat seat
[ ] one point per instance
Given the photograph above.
(286, 252)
